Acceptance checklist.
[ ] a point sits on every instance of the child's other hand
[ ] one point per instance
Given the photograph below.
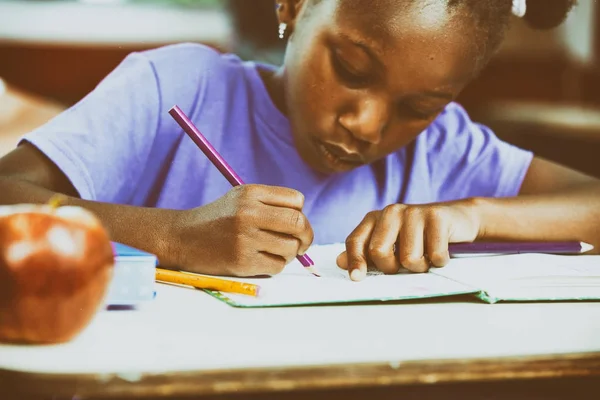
(252, 230)
(419, 233)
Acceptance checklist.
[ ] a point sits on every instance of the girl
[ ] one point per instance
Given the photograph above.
(354, 138)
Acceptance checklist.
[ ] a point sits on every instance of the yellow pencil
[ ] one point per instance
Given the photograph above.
(206, 282)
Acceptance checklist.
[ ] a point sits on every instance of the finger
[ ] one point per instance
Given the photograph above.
(356, 247)
(342, 260)
(410, 242)
(286, 221)
(436, 242)
(269, 264)
(273, 195)
(383, 239)
(252, 262)
(284, 246)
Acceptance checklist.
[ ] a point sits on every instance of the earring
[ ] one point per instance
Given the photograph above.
(519, 8)
(282, 28)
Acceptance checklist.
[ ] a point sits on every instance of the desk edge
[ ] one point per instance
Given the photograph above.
(286, 379)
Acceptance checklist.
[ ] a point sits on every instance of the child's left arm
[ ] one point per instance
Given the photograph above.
(554, 203)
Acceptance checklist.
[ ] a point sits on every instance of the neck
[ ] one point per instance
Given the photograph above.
(273, 81)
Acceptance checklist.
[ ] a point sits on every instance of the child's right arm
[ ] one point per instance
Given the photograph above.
(252, 230)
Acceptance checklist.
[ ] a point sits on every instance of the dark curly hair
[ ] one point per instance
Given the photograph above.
(255, 20)
(492, 17)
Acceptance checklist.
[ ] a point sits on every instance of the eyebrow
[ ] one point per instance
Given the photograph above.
(371, 53)
(364, 46)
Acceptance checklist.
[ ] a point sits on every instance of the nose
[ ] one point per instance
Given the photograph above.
(368, 120)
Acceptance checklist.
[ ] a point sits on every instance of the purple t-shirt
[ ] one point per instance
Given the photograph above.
(120, 145)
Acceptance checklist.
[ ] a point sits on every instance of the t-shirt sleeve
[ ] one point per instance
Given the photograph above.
(467, 159)
(102, 143)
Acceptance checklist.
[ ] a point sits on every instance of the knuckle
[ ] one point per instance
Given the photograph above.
(415, 264)
(413, 212)
(355, 260)
(311, 235)
(421, 268)
(351, 242)
(297, 221)
(294, 197)
(409, 261)
(438, 258)
(392, 210)
(245, 212)
(277, 266)
(248, 191)
(298, 198)
(377, 252)
(435, 212)
(244, 217)
(370, 216)
(238, 191)
(291, 246)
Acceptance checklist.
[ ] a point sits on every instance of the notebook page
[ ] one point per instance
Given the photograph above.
(296, 286)
(529, 276)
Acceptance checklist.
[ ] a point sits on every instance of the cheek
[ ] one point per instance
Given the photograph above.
(311, 89)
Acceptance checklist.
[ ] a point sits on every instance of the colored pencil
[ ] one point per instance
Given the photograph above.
(519, 247)
(213, 155)
(206, 282)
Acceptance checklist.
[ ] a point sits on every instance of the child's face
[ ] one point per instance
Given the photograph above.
(363, 78)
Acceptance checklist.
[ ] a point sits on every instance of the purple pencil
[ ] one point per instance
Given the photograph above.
(519, 247)
(213, 155)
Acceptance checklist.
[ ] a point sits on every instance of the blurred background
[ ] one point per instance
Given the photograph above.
(541, 91)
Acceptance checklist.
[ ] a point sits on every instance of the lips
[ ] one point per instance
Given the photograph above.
(338, 159)
(342, 154)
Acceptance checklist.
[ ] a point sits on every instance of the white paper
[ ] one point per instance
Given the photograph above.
(529, 276)
(296, 286)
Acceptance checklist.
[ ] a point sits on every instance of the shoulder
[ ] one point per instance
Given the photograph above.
(189, 74)
(453, 132)
(465, 158)
(452, 122)
(166, 72)
(182, 57)
(190, 61)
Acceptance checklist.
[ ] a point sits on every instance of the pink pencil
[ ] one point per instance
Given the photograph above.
(213, 155)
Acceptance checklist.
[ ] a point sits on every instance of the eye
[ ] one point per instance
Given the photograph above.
(409, 111)
(346, 73)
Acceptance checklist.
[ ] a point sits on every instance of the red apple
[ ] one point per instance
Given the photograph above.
(55, 267)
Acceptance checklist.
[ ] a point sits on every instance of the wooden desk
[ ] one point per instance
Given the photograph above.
(187, 343)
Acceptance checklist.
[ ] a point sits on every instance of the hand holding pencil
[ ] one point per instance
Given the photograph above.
(252, 230)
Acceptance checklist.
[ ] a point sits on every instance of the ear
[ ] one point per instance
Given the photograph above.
(288, 11)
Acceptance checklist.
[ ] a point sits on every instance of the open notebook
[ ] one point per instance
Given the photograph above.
(521, 277)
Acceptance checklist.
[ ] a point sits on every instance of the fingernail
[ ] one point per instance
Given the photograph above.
(357, 275)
